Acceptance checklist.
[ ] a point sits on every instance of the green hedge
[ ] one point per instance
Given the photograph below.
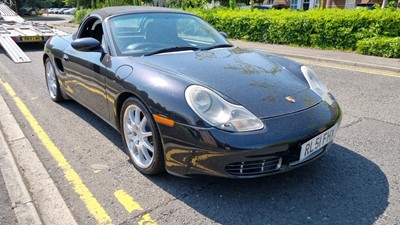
(380, 46)
(325, 28)
(81, 13)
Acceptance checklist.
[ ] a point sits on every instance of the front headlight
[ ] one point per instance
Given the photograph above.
(315, 84)
(220, 113)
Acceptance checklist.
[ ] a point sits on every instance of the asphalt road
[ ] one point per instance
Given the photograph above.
(357, 182)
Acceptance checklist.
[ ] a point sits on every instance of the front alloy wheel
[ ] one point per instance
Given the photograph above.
(141, 137)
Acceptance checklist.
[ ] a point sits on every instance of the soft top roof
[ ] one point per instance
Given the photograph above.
(119, 10)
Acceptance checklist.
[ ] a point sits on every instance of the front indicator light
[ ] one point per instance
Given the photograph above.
(163, 120)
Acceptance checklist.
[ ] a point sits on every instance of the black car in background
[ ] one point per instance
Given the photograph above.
(368, 5)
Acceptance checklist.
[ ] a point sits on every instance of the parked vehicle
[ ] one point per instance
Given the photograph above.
(369, 5)
(186, 100)
(271, 6)
(61, 11)
(14, 29)
(28, 12)
(53, 10)
(70, 11)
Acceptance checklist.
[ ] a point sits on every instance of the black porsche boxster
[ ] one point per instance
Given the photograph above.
(187, 101)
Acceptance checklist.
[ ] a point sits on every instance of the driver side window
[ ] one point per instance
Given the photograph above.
(92, 28)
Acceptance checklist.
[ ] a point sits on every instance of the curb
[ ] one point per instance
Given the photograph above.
(21, 200)
(43, 203)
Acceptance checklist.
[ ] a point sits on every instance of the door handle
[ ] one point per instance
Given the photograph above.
(65, 57)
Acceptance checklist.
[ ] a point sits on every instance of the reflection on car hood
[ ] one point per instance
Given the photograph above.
(243, 77)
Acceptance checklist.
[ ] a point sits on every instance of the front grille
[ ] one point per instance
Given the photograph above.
(254, 168)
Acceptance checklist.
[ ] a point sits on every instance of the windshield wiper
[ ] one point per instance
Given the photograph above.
(172, 49)
(218, 46)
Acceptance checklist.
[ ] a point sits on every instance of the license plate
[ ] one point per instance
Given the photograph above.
(318, 142)
(34, 38)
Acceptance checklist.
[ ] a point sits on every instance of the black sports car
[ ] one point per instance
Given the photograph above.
(185, 100)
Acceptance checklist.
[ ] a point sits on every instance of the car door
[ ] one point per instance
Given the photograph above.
(86, 71)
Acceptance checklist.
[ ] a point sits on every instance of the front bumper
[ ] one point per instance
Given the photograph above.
(191, 151)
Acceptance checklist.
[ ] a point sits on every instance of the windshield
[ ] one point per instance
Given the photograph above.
(146, 34)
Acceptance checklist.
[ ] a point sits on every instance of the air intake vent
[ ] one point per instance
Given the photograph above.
(254, 168)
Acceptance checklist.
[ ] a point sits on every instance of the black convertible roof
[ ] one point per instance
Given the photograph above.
(118, 10)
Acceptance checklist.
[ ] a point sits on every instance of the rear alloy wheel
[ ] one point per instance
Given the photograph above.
(141, 137)
(52, 82)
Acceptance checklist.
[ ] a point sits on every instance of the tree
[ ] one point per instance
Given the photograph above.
(14, 4)
(384, 4)
(117, 2)
(17, 5)
(232, 4)
(136, 2)
(37, 4)
(199, 3)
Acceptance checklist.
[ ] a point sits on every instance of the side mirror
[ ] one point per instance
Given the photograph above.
(223, 34)
(86, 44)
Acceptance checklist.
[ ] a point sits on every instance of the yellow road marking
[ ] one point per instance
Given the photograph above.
(350, 68)
(146, 220)
(80, 188)
(127, 201)
(130, 205)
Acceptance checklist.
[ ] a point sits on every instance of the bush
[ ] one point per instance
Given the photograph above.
(320, 28)
(380, 46)
(81, 13)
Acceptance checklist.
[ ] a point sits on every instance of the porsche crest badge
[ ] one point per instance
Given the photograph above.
(290, 99)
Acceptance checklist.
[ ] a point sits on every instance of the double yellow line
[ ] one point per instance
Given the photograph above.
(91, 203)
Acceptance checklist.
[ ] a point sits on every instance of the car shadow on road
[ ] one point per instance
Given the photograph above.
(32, 47)
(342, 187)
(96, 122)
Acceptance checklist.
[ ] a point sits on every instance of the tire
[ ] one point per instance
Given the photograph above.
(141, 138)
(53, 86)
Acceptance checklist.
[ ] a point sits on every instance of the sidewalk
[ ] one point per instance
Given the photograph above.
(17, 206)
(341, 57)
(20, 200)
(7, 216)
(30, 195)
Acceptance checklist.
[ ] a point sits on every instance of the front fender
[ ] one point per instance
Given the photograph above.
(164, 94)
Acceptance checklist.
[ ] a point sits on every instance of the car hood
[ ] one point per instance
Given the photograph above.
(244, 77)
